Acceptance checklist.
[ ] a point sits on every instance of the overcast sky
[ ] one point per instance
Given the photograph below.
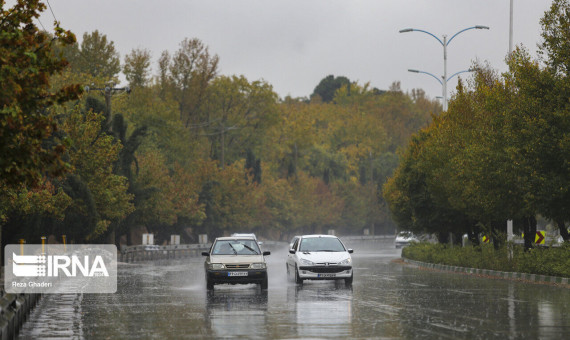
(293, 44)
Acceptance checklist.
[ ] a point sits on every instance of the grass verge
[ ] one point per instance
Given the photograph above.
(553, 261)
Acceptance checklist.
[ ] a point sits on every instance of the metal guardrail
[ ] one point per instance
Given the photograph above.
(367, 237)
(153, 252)
(140, 253)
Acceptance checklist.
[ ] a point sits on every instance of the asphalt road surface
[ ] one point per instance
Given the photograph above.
(388, 300)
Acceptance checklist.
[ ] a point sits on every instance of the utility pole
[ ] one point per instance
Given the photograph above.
(108, 91)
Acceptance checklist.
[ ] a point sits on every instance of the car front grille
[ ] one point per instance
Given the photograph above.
(326, 269)
(237, 266)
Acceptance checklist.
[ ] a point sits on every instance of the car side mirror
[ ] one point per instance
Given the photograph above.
(265, 253)
(350, 251)
(205, 253)
(291, 251)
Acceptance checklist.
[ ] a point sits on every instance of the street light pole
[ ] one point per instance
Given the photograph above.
(443, 81)
(444, 73)
(444, 43)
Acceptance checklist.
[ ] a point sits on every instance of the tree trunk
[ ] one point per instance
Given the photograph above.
(443, 237)
(529, 232)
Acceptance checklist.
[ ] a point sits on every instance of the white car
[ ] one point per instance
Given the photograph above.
(247, 235)
(319, 257)
(404, 238)
(293, 241)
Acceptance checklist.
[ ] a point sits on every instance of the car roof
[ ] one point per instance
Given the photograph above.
(317, 235)
(240, 237)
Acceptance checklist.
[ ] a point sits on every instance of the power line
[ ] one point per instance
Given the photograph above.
(51, 10)
(41, 24)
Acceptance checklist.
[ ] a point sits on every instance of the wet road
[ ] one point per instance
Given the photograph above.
(387, 300)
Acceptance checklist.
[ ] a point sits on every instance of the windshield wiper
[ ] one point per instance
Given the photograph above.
(249, 248)
(234, 249)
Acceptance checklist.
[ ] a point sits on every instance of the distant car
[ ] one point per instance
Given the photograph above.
(151, 247)
(246, 235)
(404, 238)
(236, 259)
(319, 257)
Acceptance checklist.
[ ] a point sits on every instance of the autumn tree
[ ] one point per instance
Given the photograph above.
(239, 114)
(28, 62)
(137, 67)
(190, 71)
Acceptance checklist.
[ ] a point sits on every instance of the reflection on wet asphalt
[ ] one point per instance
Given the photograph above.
(387, 300)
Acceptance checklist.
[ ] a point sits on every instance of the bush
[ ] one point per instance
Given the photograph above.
(541, 260)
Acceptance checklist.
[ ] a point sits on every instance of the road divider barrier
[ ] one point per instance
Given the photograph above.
(141, 253)
(14, 311)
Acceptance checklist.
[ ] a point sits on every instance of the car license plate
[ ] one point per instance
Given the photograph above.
(237, 273)
(327, 275)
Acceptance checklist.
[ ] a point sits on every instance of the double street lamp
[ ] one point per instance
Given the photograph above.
(444, 43)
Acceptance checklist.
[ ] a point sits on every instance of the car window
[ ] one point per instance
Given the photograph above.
(295, 243)
(331, 244)
(236, 247)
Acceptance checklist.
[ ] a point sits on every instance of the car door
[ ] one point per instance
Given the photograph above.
(291, 257)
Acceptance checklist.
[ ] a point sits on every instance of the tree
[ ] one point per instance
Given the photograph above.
(328, 86)
(191, 70)
(239, 114)
(555, 49)
(26, 124)
(100, 194)
(136, 67)
(97, 56)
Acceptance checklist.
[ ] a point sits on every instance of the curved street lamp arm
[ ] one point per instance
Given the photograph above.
(456, 73)
(429, 74)
(478, 27)
(405, 30)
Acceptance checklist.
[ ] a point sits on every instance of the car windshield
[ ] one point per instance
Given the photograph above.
(236, 247)
(331, 244)
(406, 234)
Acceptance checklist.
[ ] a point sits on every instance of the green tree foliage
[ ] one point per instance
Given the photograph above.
(239, 113)
(96, 56)
(328, 86)
(28, 62)
(137, 67)
(188, 75)
(501, 150)
(194, 152)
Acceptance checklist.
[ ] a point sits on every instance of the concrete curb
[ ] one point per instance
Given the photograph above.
(503, 275)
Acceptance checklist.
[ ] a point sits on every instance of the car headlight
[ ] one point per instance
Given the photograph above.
(258, 266)
(306, 262)
(345, 262)
(216, 266)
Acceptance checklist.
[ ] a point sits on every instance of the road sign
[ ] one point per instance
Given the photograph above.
(540, 237)
(486, 239)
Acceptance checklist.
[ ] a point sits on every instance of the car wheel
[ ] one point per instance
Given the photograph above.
(348, 281)
(298, 280)
(264, 284)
